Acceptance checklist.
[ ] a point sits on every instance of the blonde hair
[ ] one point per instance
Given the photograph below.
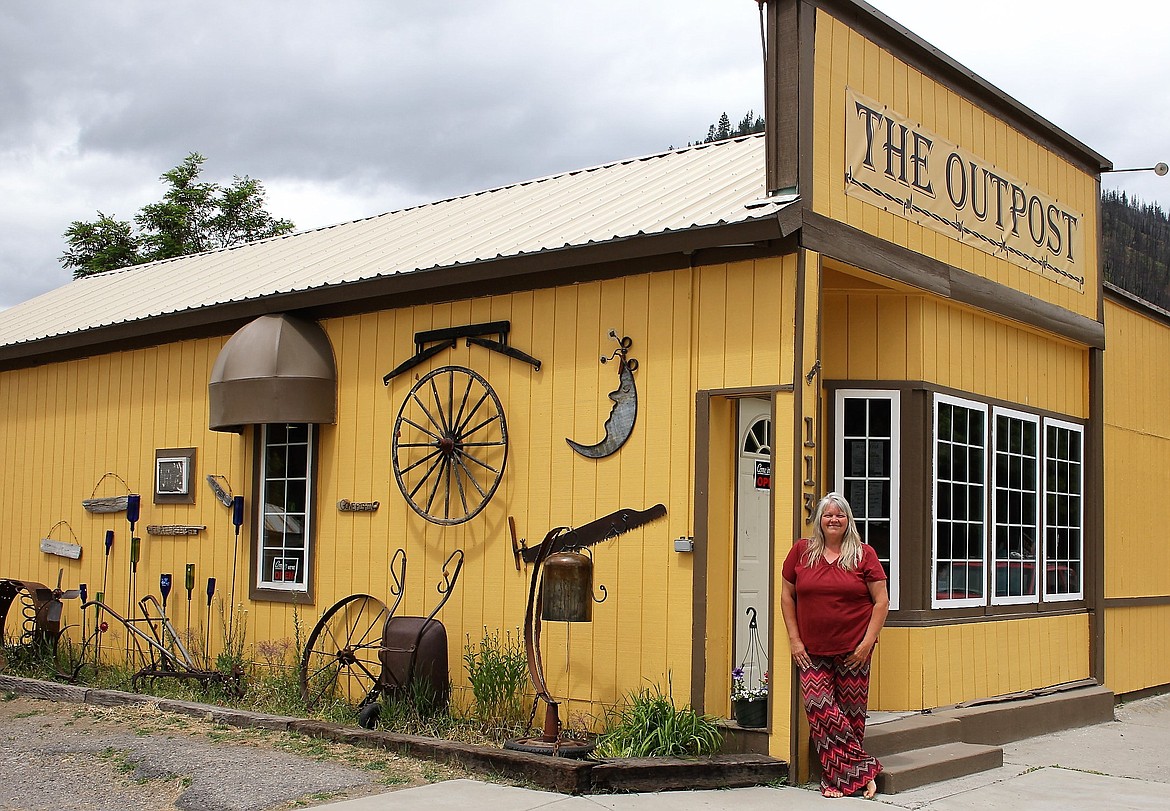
(850, 544)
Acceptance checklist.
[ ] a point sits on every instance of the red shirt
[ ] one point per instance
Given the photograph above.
(833, 606)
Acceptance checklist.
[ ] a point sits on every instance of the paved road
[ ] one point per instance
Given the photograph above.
(66, 757)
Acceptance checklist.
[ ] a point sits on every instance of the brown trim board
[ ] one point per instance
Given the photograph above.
(1093, 538)
(1136, 602)
(806, 21)
(855, 247)
(781, 94)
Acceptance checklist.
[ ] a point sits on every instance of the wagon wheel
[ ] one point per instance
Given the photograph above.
(450, 445)
(341, 656)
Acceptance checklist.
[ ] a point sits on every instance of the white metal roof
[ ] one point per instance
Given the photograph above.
(705, 185)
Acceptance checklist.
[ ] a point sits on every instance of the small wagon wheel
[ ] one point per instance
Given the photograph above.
(341, 656)
(450, 445)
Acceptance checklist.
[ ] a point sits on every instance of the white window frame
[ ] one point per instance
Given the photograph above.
(1043, 520)
(1079, 430)
(1038, 489)
(971, 405)
(895, 466)
(262, 579)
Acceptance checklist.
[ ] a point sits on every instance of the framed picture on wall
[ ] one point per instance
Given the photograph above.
(174, 472)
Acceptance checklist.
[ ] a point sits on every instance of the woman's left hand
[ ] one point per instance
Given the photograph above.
(860, 655)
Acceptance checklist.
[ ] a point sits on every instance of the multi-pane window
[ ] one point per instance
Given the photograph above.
(1063, 511)
(1015, 507)
(1035, 517)
(867, 467)
(960, 470)
(286, 464)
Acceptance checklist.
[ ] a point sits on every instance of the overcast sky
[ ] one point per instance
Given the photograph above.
(350, 108)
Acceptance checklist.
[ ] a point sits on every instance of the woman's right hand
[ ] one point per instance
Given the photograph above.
(799, 654)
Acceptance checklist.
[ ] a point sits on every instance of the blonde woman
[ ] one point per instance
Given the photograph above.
(835, 602)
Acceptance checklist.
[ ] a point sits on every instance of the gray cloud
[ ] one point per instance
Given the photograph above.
(338, 106)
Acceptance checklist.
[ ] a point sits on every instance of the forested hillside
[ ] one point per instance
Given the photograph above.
(1136, 247)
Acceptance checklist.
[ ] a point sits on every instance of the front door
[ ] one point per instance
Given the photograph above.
(752, 524)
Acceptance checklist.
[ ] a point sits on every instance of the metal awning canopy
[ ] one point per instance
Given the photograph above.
(277, 368)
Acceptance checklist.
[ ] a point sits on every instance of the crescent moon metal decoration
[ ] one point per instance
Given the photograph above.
(624, 413)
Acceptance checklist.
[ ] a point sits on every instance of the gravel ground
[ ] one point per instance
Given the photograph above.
(61, 757)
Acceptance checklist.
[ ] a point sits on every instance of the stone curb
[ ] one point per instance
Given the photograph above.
(564, 775)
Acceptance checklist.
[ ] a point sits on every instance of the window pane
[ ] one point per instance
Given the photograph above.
(854, 457)
(855, 417)
(274, 495)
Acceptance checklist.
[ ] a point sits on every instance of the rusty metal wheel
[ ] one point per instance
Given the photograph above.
(450, 445)
(341, 657)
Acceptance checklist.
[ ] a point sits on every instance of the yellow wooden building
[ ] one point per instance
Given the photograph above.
(895, 293)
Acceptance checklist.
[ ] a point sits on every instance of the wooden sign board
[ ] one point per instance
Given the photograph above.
(175, 529)
(61, 549)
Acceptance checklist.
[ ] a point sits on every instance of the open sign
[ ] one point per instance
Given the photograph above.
(763, 475)
(284, 570)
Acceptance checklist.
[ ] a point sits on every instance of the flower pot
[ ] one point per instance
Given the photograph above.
(750, 712)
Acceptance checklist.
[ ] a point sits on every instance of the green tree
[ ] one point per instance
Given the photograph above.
(722, 130)
(104, 244)
(193, 216)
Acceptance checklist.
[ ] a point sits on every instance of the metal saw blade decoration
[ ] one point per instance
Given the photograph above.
(624, 413)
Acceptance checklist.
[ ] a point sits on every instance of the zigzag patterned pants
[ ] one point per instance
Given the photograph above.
(835, 700)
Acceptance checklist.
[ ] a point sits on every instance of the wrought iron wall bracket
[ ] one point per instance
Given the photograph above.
(448, 338)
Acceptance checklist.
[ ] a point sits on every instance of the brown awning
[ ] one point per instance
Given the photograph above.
(276, 369)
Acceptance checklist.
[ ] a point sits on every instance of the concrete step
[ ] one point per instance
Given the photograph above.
(914, 732)
(907, 770)
(1001, 721)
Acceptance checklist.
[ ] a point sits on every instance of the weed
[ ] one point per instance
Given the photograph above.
(231, 658)
(498, 671)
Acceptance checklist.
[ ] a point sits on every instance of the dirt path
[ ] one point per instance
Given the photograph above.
(59, 757)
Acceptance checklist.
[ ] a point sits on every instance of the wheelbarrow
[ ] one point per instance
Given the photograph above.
(359, 650)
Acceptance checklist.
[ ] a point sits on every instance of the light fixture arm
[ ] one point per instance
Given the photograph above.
(1160, 169)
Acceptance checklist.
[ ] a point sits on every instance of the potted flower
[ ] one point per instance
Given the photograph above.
(749, 704)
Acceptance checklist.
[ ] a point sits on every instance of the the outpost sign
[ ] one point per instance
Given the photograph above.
(897, 164)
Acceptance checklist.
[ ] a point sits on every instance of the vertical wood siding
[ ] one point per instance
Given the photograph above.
(892, 336)
(1136, 657)
(1137, 474)
(919, 668)
(65, 424)
(845, 58)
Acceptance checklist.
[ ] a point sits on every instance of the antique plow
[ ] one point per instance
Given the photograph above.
(158, 648)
